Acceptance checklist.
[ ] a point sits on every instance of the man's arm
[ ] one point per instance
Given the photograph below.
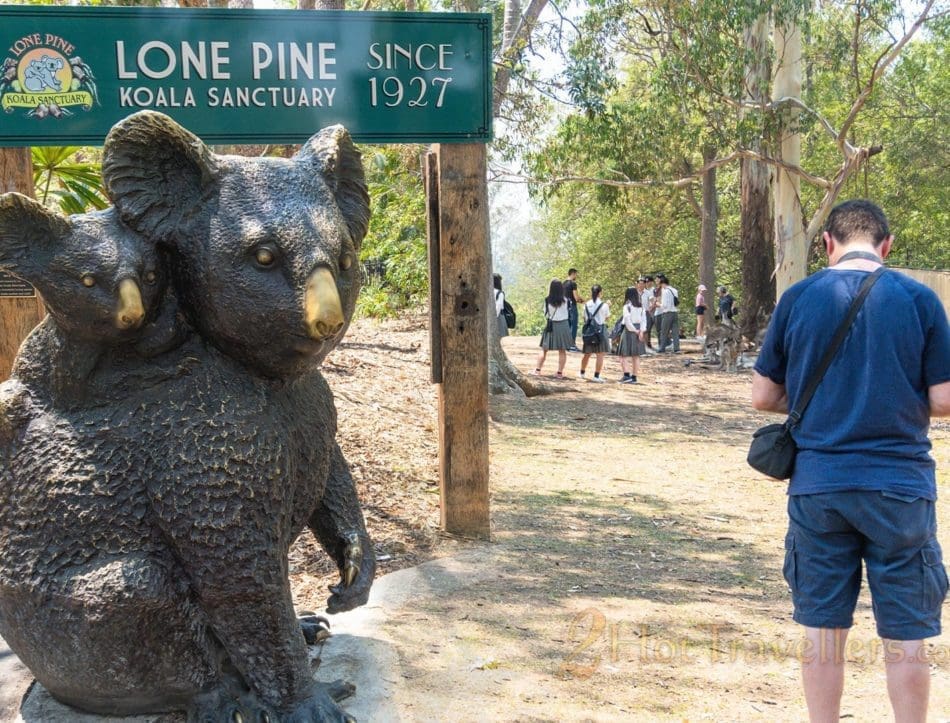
(939, 397)
(767, 396)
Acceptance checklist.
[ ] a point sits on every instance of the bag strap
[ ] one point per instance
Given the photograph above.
(591, 317)
(795, 415)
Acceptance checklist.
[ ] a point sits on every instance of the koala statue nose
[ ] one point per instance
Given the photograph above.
(131, 312)
(323, 311)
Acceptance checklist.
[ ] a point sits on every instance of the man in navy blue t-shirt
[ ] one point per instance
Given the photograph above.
(864, 485)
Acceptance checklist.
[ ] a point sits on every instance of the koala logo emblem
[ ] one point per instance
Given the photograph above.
(40, 74)
(46, 83)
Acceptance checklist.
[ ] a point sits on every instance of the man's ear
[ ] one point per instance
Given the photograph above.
(885, 248)
(829, 243)
(28, 230)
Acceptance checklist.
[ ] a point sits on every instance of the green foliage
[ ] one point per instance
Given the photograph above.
(377, 301)
(69, 175)
(394, 252)
(911, 177)
(676, 88)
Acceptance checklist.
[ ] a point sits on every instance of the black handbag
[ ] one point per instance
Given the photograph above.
(773, 448)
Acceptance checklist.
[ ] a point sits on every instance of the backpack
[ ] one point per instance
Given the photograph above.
(591, 332)
(617, 330)
(508, 312)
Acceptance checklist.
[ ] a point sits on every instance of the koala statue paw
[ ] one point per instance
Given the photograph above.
(220, 706)
(356, 575)
(346, 598)
(320, 706)
(315, 628)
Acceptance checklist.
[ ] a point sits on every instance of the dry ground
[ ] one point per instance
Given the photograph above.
(638, 558)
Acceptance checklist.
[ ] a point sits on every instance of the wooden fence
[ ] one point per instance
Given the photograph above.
(939, 281)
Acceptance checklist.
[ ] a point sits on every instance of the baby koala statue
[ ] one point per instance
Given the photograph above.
(100, 282)
(144, 529)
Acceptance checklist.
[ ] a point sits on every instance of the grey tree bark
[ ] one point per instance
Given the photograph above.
(758, 289)
(503, 376)
(791, 246)
(708, 230)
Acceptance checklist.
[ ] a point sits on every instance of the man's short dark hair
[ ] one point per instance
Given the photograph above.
(571, 271)
(857, 218)
(661, 278)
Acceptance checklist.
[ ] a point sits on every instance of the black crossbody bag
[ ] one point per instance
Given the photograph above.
(773, 449)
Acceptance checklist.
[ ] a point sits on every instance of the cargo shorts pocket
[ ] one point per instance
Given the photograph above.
(935, 576)
(790, 567)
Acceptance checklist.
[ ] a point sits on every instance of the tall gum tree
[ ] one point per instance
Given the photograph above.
(791, 250)
(503, 376)
(793, 246)
(758, 291)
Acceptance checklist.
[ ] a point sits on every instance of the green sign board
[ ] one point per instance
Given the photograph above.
(69, 74)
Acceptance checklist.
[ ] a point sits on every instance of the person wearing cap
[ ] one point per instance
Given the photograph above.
(701, 312)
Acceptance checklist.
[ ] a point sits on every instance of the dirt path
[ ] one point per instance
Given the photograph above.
(635, 572)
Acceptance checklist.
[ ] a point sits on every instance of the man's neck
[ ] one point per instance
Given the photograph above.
(860, 264)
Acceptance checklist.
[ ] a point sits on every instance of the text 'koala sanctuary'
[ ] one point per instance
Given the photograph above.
(204, 60)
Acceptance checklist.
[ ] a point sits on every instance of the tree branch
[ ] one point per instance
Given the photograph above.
(510, 52)
(850, 165)
(879, 69)
(777, 104)
(693, 177)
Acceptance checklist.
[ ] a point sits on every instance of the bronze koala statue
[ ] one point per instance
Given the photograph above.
(144, 529)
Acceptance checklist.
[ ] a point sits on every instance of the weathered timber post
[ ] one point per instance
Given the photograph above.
(20, 306)
(462, 244)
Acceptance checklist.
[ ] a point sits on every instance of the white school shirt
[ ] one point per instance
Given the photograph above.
(556, 313)
(665, 304)
(646, 298)
(634, 317)
(602, 314)
(499, 302)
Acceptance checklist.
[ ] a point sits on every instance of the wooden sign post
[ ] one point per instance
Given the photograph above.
(459, 244)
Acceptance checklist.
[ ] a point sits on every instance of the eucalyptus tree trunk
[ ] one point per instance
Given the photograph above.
(709, 230)
(791, 246)
(503, 376)
(758, 289)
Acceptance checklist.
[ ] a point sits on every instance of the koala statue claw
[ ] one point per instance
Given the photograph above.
(166, 433)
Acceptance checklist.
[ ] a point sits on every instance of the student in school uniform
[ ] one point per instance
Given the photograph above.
(557, 332)
(500, 307)
(631, 339)
(599, 311)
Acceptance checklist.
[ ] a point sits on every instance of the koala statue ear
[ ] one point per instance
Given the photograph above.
(27, 229)
(332, 154)
(155, 172)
